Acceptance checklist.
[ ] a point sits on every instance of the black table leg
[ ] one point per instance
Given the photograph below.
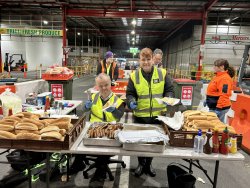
(68, 158)
(47, 169)
(216, 173)
(29, 170)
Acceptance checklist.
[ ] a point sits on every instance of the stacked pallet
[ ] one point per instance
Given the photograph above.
(194, 120)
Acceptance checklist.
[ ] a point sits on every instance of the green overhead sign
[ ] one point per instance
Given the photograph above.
(33, 32)
(133, 50)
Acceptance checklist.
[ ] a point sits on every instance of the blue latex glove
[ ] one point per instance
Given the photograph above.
(110, 109)
(88, 104)
(133, 105)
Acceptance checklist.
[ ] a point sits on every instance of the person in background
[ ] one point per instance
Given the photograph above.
(157, 58)
(108, 66)
(219, 89)
(95, 106)
(146, 84)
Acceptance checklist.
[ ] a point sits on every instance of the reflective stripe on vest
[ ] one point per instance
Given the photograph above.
(147, 104)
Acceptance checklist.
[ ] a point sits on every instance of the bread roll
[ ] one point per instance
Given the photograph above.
(6, 122)
(14, 122)
(62, 132)
(28, 136)
(7, 135)
(197, 117)
(51, 135)
(18, 115)
(35, 116)
(26, 131)
(26, 126)
(5, 127)
(49, 129)
(61, 125)
(39, 124)
(61, 120)
(14, 118)
(26, 114)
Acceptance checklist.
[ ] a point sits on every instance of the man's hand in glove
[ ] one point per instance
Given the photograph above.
(88, 104)
(133, 105)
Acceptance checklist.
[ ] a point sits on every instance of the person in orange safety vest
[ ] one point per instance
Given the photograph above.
(109, 67)
(219, 89)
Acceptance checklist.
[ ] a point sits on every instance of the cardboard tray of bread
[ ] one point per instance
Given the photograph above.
(27, 131)
(143, 137)
(103, 134)
(195, 120)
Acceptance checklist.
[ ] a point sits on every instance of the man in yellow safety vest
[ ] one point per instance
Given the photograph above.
(146, 84)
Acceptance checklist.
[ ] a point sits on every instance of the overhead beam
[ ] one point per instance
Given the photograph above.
(136, 14)
(209, 5)
(109, 32)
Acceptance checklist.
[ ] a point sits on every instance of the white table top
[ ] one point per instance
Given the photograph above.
(170, 152)
(66, 110)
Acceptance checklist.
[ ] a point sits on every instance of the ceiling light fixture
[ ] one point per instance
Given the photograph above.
(133, 22)
(67, 29)
(78, 33)
(45, 22)
(133, 32)
(133, 39)
(227, 20)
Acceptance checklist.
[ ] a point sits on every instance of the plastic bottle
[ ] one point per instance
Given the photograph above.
(233, 141)
(10, 112)
(198, 142)
(1, 112)
(224, 142)
(47, 104)
(208, 143)
(216, 142)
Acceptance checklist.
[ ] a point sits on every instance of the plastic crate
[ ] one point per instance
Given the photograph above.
(57, 76)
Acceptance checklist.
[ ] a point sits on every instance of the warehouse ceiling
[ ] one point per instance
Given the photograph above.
(109, 22)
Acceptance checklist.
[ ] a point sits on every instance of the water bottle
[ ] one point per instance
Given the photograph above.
(198, 142)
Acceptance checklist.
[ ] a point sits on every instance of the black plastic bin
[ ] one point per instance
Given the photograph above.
(184, 90)
(65, 85)
(179, 178)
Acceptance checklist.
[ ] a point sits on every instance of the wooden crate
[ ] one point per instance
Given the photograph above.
(69, 139)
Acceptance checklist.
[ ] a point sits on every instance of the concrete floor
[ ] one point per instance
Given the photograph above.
(231, 174)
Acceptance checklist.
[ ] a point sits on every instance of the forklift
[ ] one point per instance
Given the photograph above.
(14, 65)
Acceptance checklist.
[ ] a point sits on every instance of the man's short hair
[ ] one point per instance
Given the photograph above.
(158, 51)
(103, 76)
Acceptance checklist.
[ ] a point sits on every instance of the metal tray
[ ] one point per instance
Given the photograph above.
(101, 142)
(158, 147)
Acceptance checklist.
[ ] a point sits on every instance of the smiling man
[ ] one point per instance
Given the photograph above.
(146, 84)
(157, 58)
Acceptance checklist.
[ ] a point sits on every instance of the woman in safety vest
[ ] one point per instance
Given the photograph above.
(108, 66)
(146, 84)
(219, 89)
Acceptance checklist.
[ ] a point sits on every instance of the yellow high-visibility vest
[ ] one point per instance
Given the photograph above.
(147, 105)
(97, 115)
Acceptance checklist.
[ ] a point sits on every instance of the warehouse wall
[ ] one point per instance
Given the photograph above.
(183, 52)
(35, 50)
